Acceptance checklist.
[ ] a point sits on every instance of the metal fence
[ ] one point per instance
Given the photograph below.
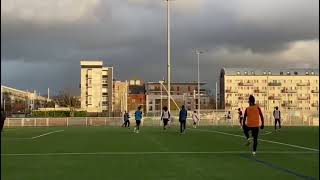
(289, 118)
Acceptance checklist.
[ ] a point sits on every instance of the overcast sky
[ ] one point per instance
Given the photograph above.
(42, 42)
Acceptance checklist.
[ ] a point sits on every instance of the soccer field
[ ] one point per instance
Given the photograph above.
(115, 153)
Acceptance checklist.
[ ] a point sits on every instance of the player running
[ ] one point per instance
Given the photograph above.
(195, 119)
(126, 120)
(251, 122)
(138, 117)
(240, 117)
(277, 118)
(165, 117)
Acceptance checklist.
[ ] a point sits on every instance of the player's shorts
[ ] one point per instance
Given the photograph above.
(138, 122)
(165, 121)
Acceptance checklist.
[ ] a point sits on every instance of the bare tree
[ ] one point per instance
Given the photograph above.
(65, 99)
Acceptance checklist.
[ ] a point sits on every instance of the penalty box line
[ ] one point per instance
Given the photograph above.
(34, 137)
(269, 141)
(157, 153)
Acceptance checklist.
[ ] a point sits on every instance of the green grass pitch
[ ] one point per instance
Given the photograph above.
(115, 153)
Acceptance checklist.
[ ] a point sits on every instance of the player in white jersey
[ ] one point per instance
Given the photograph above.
(195, 119)
(277, 118)
(165, 117)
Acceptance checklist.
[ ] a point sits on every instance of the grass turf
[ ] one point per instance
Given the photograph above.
(226, 157)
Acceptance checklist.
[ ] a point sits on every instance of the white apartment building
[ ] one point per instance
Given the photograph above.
(10, 95)
(96, 86)
(286, 88)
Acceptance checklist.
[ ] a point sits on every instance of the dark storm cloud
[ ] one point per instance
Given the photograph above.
(131, 36)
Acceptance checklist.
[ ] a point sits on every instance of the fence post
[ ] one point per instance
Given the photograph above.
(67, 122)
(22, 122)
(105, 121)
(35, 122)
(309, 121)
(86, 121)
(47, 122)
(8, 122)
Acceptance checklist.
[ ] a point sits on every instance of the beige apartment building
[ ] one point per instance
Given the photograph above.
(294, 89)
(120, 99)
(96, 86)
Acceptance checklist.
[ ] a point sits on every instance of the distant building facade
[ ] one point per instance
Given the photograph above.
(96, 87)
(120, 93)
(17, 100)
(286, 88)
(136, 94)
(182, 92)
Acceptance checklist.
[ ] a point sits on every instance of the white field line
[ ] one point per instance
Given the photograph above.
(274, 142)
(160, 152)
(46, 134)
(267, 132)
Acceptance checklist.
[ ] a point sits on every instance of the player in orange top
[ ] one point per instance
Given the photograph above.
(251, 122)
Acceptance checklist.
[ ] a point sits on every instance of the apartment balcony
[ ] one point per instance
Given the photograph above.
(288, 105)
(259, 91)
(231, 105)
(274, 98)
(231, 91)
(274, 84)
(303, 84)
(315, 105)
(304, 98)
(288, 91)
(245, 84)
(314, 91)
(240, 98)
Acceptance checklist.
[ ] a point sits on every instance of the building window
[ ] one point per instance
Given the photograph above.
(281, 73)
(312, 73)
(178, 88)
(89, 100)
(288, 73)
(295, 73)
(264, 73)
(252, 72)
(238, 73)
(269, 73)
(245, 73)
(307, 73)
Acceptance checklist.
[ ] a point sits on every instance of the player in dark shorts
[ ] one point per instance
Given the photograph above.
(138, 117)
(251, 122)
(240, 117)
(165, 117)
(3, 118)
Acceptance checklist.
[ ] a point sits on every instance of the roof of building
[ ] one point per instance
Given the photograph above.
(179, 83)
(91, 63)
(270, 71)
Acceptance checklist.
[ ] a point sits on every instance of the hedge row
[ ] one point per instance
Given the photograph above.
(58, 114)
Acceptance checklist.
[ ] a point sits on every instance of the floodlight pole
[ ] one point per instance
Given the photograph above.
(198, 52)
(169, 54)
